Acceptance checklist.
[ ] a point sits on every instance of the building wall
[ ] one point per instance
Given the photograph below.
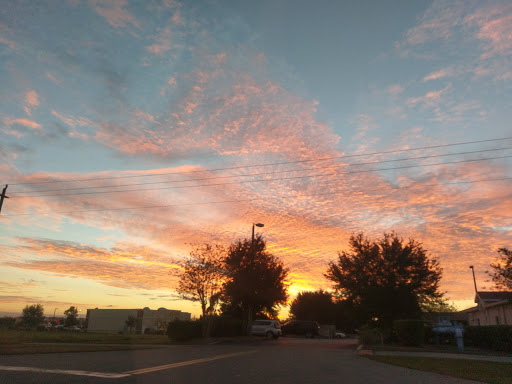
(108, 320)
(494, 315)
(114, 320)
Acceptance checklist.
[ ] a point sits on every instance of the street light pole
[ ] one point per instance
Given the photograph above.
(474, 279)
(253, 255)
(257, 225)
(54, 313)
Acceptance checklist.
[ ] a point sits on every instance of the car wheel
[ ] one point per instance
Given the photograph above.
(309, 335)
(270, 335)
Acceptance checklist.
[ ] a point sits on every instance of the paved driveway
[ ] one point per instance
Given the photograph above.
(262, 361)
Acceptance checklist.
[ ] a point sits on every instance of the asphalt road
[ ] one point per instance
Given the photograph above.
(287, 360)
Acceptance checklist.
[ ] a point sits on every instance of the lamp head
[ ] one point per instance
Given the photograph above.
(259, 225)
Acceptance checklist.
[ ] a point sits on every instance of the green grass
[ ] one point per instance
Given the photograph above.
(8, 336)
(486, 371)
(25, 349)
(20, 342)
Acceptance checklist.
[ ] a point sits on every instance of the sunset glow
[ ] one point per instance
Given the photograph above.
(131, 130)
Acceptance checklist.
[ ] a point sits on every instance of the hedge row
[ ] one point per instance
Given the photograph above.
(410, 332)
(495, 337)
(220, 326)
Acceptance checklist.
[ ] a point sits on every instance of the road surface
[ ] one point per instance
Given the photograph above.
(287, 360)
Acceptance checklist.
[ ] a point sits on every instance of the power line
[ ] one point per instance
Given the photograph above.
(24, 193)
(269, 180)
(240, 200)
(271, 164)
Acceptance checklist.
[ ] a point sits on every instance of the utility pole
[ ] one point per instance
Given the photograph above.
(3, 197)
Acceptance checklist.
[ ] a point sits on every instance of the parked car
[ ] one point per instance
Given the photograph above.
(271, 329)
(339, 335)
(301, 327)
(72, 328)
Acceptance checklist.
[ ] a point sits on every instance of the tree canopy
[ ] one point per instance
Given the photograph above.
(201, 276)
(256, 279)
(317, 306)
(71, 316)
(502, 269)
(33, 315)
(386, 279)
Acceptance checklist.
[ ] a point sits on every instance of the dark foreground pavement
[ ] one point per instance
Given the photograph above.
(261, 361)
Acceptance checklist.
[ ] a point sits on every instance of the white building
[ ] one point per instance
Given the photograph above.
(493, 308)
(115, 320)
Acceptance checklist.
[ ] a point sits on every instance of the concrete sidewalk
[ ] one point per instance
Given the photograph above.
(437, 355)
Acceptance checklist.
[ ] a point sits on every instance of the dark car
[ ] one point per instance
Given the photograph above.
(301, 327)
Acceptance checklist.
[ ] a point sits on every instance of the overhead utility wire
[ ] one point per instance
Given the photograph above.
(23, 193)
(239, 200)
(270, 164)
(267, 180)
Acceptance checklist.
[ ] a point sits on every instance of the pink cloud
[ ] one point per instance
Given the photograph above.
(115, 13)
(32, 98)
(437, 22)
(25, 122)
(494, 28)
(395, 89)
(4, 30)
(431, 98)
(177, 19)
(436, 75)
(229, 112)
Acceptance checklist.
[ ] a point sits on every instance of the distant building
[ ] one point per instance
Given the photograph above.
(114, 320)
(493, 308)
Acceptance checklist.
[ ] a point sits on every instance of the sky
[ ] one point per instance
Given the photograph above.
(130, 131)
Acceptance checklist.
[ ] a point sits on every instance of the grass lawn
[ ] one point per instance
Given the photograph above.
(486, 371)
(20, 342)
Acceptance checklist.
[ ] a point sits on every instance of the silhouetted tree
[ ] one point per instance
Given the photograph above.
(33, 315)
(317, 306)
(71, 316)
(386, 279)
(256, 280)
(502, 274)
(202, 276)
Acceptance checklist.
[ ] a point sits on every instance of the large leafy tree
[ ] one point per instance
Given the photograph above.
(256, 280)
(33, 315)
(71, 316)
(502, 269)
(386, 279)
(201, 277)
(316, 306)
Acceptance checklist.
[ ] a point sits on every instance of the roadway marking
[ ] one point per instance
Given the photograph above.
(110, 375)
(105, 375)
(184, 363)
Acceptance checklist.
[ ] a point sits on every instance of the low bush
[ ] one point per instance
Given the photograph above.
(225, 326)
(372, 335)
(410, 332)
(495, 337)
(179, 330)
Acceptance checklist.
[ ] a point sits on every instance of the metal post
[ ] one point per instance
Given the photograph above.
(474, 279)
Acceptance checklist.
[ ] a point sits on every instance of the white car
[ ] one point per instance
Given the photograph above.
(339, 335)
(271, 329)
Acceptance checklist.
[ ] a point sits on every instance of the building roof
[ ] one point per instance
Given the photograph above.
(489, 297)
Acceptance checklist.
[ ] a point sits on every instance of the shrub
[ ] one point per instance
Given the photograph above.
(7, 322)
(495, 337)
(410, 332)
(372, 335)
(226, 326)
(179, 330)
